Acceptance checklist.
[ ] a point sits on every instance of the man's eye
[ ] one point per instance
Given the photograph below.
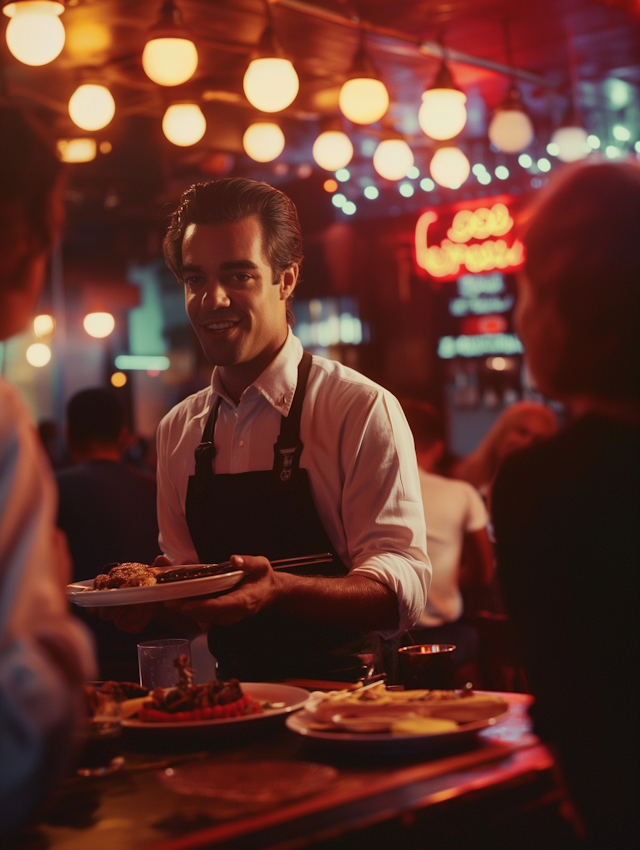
(194, 281)
(239, 277)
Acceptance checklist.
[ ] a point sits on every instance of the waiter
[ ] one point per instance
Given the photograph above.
(283, 455)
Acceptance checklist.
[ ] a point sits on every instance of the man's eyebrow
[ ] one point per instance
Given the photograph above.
(237, 264)
(187, 268)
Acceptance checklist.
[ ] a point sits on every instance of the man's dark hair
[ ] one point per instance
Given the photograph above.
(582, 258)
(29, 173)
(95, 416)
(425, 423)
(233, 199)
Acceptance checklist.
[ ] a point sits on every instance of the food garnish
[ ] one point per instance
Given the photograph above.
(187, 701)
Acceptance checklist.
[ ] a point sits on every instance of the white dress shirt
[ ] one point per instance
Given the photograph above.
(358, 451)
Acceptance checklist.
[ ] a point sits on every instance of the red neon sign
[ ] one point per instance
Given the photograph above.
(454, 252)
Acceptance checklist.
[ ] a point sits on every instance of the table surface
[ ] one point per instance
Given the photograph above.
(133, 809)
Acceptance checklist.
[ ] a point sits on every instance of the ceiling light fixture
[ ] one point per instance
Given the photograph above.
(76, 150)
(393, 157)
(169, 57)
(263, 141)
(91, 106)
(270, 82)
(443, 113)
(511, 128)
(449, 167)
(363, 97)
(184, 124)
(35, 34)
(332, 150)
(571, 138)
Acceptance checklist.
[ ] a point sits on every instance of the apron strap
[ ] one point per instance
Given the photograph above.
(288, 447)
(205, 453)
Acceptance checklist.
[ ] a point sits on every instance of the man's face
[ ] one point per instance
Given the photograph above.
(236, 310)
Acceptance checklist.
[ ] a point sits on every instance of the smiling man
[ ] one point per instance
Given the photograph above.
(283, 455)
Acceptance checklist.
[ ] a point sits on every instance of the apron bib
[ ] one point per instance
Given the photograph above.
(270, 513)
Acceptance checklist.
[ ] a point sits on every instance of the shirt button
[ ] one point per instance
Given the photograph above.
(241, 443)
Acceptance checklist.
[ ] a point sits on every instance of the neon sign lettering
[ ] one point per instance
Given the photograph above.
(446, 259)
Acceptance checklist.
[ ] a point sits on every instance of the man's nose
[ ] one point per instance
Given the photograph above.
(215, 296)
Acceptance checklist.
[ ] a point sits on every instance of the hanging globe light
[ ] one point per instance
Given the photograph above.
(35, 34)
(99, 325)
(363, 97)
(392, 159)
(263, 141)
(449, 167)
(184, 124)
(270, 82)
(332, 150)
(169, 57)
(38, 354)
(511, 129)
(443, 113)
(572, 142)
(91, 106)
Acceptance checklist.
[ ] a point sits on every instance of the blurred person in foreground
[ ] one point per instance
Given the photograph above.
(45, 654)
(284, 454)
(107, 509)
(566, 511)
(522, 424)
(458, 542)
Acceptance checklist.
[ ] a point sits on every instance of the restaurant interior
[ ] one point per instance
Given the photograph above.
(412, 136)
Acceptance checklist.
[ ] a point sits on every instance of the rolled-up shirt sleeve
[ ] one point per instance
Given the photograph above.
(382, 504)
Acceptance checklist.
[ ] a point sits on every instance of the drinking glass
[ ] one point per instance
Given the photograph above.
(156, 662)
(428, 666)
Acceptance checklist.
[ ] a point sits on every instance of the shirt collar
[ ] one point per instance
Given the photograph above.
(278, 381)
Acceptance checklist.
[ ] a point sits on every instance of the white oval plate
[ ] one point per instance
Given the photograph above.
(384, 743)
(82, 592)
(292, 697)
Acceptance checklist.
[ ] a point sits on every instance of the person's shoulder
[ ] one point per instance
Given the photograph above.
(185, 410)
(334, 377)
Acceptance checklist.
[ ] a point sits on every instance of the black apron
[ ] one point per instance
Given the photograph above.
(270, 513)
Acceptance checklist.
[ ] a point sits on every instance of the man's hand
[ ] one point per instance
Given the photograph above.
(257, 590)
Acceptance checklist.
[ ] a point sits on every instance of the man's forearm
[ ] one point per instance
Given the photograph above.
(357, 601)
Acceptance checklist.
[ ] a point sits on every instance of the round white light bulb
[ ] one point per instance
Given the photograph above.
(332, 150)
(443, 113)
(169, 61)
(363, 100)
(76, 150)
(270, 84)
(35, 34)
(43, 325)
(392, 159)
(572, 143)
(263, 141)
(91, 107)
(449, 167)
(99, 325)
(511, 130)
(184, 124)
(38, 354)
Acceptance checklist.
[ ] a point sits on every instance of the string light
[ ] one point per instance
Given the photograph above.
(118, 379)
(392, 159)
(571, 143)
(169, 57)
(263, 141)
(38, 354)
(99, 325)
(449, 167)
(511, 129)
(35, 34)
(184, 124)
(332, 150)
(330, 185)
(443, 113)
(43, 325)
(91, 106)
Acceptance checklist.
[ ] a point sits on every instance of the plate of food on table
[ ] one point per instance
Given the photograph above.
(189, 707)
(388, 720)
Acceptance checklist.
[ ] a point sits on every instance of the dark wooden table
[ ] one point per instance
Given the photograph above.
(502, 786)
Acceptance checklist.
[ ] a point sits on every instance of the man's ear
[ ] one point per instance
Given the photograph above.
(288, 281)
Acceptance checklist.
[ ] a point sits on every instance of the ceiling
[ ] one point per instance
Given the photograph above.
(144, 171)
